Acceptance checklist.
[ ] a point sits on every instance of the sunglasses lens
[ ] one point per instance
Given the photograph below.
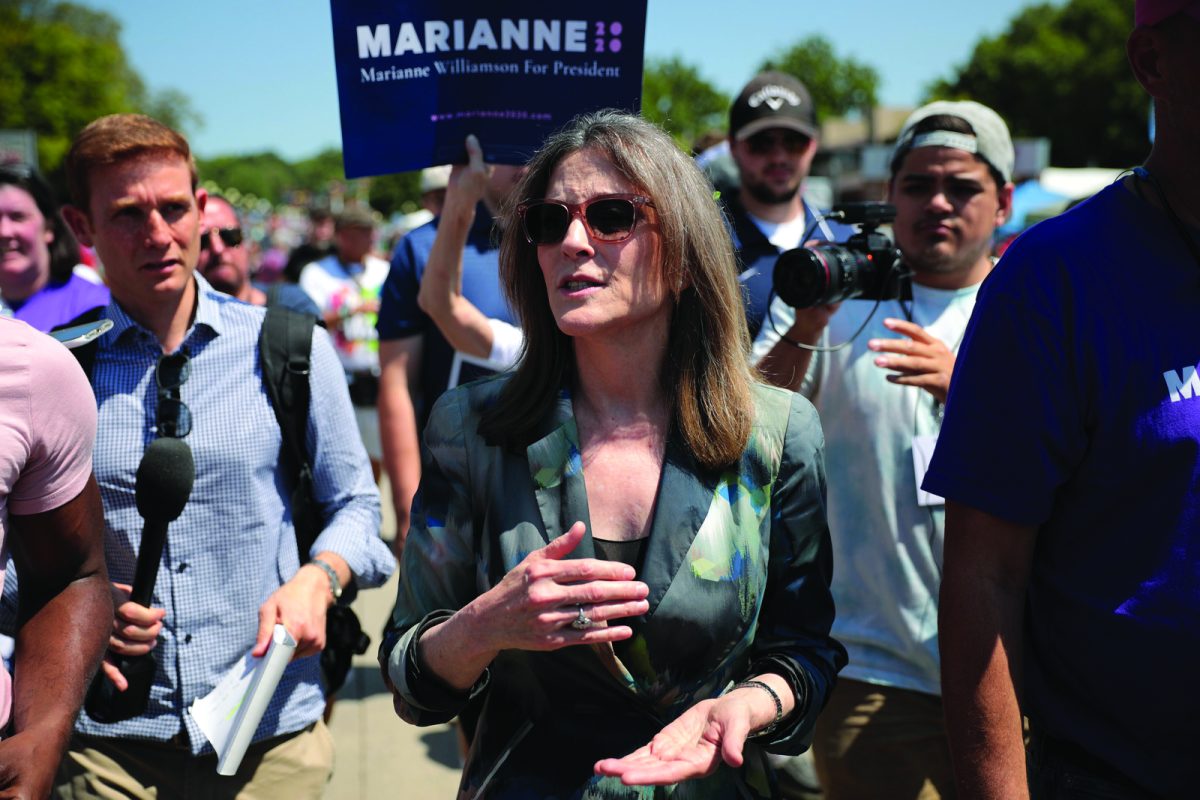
(763, 143)
(174, 418)
(546, 223)
(231, 237)
(611, 219)
(172, 371)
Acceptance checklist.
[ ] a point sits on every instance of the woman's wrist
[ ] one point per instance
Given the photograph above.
(776, 702)
(769, 700)
(463, 643)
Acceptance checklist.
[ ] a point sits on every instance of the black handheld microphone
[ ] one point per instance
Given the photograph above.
(163, 485)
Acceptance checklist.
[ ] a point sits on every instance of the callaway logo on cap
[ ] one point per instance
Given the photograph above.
(772, 100)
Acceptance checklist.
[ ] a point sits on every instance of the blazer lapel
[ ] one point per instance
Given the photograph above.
(685, 493)
(556, 467)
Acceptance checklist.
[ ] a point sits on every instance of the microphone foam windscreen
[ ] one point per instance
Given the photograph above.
(164, 479)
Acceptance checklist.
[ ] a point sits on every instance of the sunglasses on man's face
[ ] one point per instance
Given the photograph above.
(230, 237)
(607, 218)
(765, 142)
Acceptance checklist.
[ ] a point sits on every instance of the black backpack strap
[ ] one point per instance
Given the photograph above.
(85, 354)
(284, 347)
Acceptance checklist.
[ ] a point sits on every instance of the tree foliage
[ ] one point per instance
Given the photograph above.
(1060, 72)
(677, 98)
(838, 84)
(62, 67)
(263, 174)
(400, 192)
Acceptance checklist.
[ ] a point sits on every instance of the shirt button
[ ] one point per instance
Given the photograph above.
(187, 639)
(181, 567)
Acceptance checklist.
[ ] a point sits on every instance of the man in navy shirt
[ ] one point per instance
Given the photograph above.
(414, 357)
(1068, 457)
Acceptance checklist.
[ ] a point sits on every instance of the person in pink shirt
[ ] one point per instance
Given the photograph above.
(51, 521)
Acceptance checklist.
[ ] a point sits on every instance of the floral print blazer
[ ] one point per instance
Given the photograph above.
(738, 564)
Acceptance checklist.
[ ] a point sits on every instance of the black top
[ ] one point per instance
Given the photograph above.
(631, 552)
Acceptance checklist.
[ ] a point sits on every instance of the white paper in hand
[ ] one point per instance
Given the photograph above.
(230, 713)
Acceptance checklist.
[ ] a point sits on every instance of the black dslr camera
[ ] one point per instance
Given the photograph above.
(867, 265)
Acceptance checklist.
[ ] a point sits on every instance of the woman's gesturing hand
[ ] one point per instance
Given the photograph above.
(690, 747)
(548, 601)
(707, 733)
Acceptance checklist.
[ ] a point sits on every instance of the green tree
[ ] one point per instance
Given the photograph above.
(676, 97)
(62, 67)
(1060, 72)
(317, 172)
(263, 174)
(398, 193)
(838, 85)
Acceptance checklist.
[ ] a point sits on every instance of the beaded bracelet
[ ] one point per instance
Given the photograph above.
(774, 696)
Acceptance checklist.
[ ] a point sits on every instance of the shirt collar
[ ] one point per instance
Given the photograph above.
(208, 315)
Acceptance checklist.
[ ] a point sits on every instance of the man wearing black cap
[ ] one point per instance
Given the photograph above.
(772, 138)
(1069, 460)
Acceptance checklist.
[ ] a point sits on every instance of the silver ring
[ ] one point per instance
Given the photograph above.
(582, 622)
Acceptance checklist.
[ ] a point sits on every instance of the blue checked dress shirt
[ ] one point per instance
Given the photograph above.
(234, 544)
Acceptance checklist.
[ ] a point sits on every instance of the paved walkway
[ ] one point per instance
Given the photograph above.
(378, 754)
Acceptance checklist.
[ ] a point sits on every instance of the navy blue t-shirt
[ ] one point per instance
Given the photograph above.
(1075, 408)
(400, 317)
(290, 296)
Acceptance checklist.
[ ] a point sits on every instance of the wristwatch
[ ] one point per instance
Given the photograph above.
(335, 586)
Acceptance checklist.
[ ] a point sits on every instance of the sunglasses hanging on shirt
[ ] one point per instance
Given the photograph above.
(173, 418)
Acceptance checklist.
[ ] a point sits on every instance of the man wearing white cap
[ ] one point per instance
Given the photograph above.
(1069, 460)
(434, 181)
(880, 401)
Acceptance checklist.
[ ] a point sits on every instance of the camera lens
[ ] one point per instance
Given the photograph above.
(820, 275)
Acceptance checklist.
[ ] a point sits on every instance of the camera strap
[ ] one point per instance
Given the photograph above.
(1188, 241)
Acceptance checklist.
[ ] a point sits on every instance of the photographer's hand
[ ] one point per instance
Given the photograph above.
(786, 364)
(920, 360)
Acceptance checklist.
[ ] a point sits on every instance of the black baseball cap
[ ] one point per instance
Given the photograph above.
(772, 100)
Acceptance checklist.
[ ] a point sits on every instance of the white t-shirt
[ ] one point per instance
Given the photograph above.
(887, 549)
(784, 235)
(333, 287)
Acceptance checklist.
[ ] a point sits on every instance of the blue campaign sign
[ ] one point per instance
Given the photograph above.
(414, 78)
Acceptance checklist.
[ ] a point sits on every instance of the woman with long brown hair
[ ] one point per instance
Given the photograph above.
(619, 549)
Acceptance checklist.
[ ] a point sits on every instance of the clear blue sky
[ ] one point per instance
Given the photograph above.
(260, 72)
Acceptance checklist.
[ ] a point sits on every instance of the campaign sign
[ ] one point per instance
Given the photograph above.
(414, 78)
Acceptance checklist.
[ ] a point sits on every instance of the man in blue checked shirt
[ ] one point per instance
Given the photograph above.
(230, 569)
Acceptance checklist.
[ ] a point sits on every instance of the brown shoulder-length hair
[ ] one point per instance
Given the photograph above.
(706, 375)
